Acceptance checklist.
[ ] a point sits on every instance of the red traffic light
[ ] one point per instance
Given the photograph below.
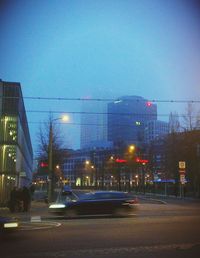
(43, 164)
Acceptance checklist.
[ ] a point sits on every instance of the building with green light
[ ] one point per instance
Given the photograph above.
(16, 155)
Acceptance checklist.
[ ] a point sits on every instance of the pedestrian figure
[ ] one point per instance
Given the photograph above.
(32, 190)
(19, 200)
(26, 196)
(13, 199)
(176, 189)
(184, 191)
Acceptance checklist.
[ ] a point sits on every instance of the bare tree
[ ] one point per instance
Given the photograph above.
(174, 124)
(191, 120)
(198, 121)
(58, 146)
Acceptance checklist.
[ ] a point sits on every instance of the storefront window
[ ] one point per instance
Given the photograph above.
(8, 129)
(8, 158)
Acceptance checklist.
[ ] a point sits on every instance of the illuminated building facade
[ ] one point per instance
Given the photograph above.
(16, 155)
(155, 129)
(127, 118)
(93, 124)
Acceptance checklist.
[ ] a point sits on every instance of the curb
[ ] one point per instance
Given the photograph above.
(152, 199)
(156, 200)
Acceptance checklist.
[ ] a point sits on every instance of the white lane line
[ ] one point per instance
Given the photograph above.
(28, 226)
(36, 219)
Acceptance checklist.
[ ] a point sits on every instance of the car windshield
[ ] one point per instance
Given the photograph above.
(87, 196)
(66, 197)
(104, 195)
(110, 195)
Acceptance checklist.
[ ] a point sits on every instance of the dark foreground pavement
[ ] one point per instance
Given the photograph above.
(38, 208)
(161, 235)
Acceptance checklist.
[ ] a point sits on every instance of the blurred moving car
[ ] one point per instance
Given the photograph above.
(94, 203)
(8, 224)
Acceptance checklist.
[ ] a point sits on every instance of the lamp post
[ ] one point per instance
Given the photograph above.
(93, 175)
(64, 118)
(131, 154)
(131, 148)
(86, 171)
(143, 177)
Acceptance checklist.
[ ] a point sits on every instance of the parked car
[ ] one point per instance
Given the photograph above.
(8, 224)
(94, 203)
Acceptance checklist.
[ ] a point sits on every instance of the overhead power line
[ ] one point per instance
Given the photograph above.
(107, 113)
(93, 124)
(102, 99)
(84, 124)
(86, 112)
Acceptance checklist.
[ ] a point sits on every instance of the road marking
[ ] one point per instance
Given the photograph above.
(28, 226)
(36, 219)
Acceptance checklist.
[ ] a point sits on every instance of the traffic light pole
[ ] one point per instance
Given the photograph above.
(119, 177)
(50, 185)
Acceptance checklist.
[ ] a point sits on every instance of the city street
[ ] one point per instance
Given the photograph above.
(156, 230)
(100, 129)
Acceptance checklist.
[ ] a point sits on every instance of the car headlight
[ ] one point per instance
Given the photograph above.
(57, 206)
(11, 225)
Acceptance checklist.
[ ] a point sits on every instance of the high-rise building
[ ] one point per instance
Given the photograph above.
(155, 129)
(127, 118)
(93, 124)
(16, 154)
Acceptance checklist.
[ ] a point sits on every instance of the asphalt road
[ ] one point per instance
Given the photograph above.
(156, 230)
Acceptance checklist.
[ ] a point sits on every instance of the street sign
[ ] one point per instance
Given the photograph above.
(181, 164)
(22, 174)
(156, 177)
(181, 171)
(182, 179)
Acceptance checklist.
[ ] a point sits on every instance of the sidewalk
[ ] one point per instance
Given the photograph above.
(38, 208)
(165, 198)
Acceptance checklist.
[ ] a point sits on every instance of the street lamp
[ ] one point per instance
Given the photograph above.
(131, 148)
(136, 177)
(131, 154)
(64, 118)
(87, 162)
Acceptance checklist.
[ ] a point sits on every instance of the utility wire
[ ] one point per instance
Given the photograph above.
(89, 124)
(108, 113)
(84, 124)
(102, 99)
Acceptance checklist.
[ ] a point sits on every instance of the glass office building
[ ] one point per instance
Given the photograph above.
(93, 124)
(127, 118)
(16, 155)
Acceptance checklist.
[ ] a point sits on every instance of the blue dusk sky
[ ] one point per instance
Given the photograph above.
(99, 49)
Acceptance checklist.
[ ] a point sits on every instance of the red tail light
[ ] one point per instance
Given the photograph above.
(133, 201)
